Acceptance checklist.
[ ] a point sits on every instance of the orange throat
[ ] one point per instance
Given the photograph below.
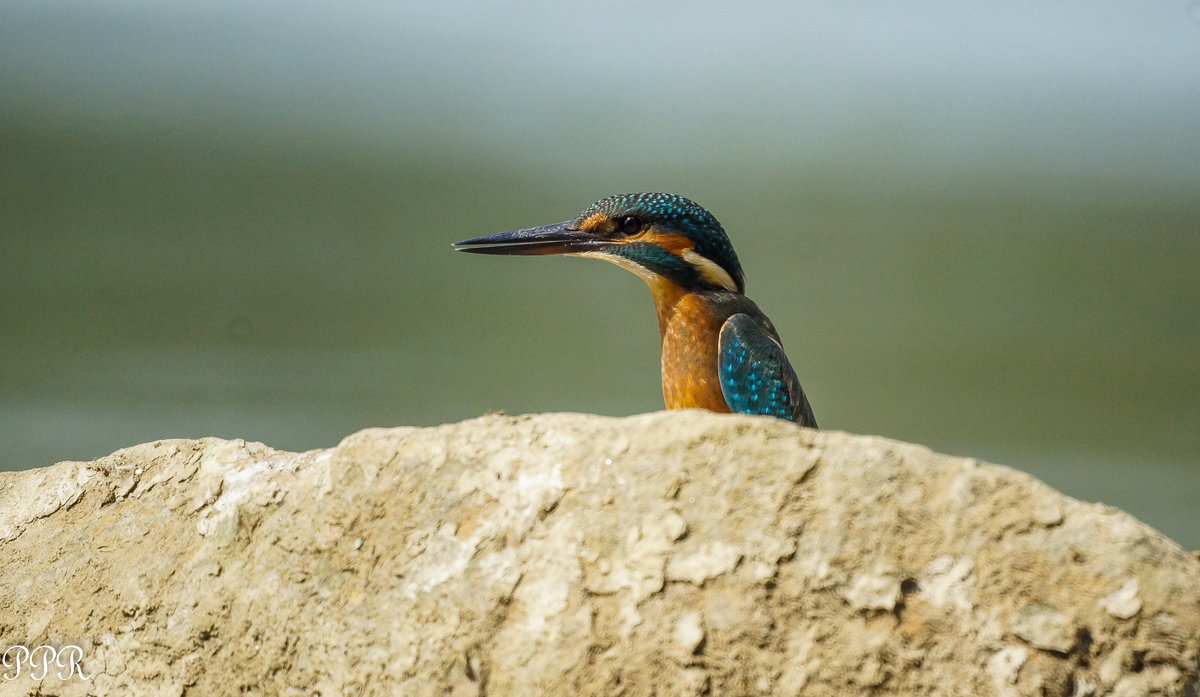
(690, 331)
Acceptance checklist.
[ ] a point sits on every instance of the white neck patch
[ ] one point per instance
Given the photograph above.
(709, 269)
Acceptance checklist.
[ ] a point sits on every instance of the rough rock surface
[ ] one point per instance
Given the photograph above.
(676, 553)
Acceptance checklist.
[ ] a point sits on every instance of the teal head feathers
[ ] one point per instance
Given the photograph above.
(657, 236)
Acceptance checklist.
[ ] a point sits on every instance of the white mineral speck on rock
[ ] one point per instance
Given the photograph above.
(1048, 512)
(710, 561)
(689, 632)
(1004, 666)
(947, 582)
(1045, 627)
(1123, 603)
(869, 592)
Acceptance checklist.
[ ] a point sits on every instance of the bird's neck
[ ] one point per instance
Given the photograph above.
(667, 299)
(690, 327)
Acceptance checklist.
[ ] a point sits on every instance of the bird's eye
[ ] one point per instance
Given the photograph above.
(629, 225)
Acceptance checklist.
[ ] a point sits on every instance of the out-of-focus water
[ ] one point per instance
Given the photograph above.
(248, 235)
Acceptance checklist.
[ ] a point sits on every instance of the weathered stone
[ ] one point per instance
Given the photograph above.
(1045, 627)
(679, 553)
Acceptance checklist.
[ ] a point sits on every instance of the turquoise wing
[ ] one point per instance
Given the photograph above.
(756, 377)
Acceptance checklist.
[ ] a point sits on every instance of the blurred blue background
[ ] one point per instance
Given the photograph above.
(976, 225)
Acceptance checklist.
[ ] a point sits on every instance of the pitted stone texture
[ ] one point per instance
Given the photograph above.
(674, 553)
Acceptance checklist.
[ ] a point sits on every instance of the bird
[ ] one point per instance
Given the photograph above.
(719, 351)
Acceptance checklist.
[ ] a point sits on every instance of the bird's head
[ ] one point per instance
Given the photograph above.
(660, 237)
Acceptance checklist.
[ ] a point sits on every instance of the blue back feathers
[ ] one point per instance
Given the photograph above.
(756, 377)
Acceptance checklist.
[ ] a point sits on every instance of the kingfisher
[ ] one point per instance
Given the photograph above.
(719, 351)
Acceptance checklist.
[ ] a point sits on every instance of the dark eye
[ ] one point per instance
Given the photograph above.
(629, 225)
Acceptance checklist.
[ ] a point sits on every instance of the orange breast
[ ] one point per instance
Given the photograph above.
(690, 334)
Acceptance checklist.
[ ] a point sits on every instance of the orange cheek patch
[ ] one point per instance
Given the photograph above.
(595, 222)
(675, 244)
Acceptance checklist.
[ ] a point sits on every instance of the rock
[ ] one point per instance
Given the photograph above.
(1045, 627)
(1123, 603)
(680, 553)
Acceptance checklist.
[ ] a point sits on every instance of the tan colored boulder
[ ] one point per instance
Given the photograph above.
(681, 553)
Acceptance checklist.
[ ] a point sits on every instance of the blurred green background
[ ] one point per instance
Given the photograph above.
(976, 225)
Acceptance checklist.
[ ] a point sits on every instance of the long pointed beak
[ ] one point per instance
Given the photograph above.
(558, 238)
